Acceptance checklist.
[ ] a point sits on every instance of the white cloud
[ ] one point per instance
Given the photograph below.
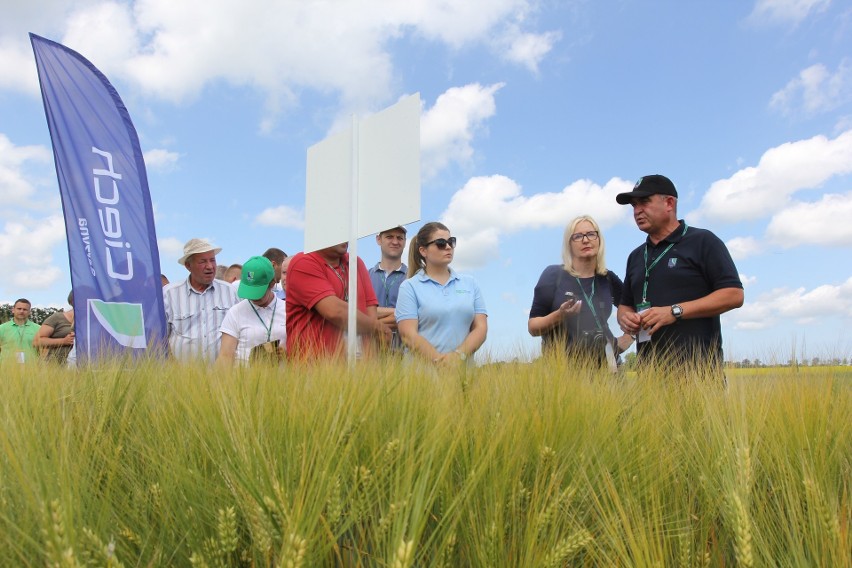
(17, 69)
(44, 17)
(496, 22)
(173, 50)
(761, 190)
(281, 216)
(786, 11)
(843, 124)
(824, 223)
(527, 49)
(105, 34)
(798, 305)
(747, 280)
(447, 129)
(744, 247)
(454, 23)
(26, 249)
(815, 90)
(161, 160)
(171, 249)
(27, 244)
(17, 187)
(487, 208)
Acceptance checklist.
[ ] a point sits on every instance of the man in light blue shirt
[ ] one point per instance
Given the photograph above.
(387, 275)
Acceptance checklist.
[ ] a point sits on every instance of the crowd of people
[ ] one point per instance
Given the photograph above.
(274, 307)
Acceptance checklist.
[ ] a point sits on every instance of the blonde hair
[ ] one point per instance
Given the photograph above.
(423, 236)
(568, 257)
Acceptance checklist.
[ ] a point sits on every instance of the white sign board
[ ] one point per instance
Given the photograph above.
(386, 146)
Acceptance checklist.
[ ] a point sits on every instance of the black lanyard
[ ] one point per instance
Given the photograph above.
(653, 264)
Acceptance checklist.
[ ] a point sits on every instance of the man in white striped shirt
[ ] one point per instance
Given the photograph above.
(195, 307)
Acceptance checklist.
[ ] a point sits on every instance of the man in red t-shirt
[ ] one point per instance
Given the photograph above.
(317, 303)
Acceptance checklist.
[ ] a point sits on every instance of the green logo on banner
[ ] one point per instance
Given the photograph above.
(122, 321)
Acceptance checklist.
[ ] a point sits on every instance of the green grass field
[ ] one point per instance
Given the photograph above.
(390, 465)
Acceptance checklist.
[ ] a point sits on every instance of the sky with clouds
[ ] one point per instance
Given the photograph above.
(533, 112)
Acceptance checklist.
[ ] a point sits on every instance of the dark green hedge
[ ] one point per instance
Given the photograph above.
(38, 315)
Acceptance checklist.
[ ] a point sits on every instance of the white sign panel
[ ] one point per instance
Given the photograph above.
(329, 190)
(387, 147)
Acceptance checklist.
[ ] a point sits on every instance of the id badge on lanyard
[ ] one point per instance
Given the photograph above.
(610, 357)
(643, 334)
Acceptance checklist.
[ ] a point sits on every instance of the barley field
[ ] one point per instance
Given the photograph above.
(387, 464)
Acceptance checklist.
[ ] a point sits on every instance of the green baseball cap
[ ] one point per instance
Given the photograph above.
(255, 278)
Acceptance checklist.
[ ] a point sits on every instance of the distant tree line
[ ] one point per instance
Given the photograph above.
(630, 362)
(38, 315)
(813, 362)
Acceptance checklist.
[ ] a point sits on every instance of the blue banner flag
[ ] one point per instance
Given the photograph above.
(109, 222)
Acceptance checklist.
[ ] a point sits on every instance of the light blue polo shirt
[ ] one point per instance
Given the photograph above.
(444, 312)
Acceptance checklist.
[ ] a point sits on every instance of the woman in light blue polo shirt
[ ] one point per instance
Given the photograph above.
(440, 313)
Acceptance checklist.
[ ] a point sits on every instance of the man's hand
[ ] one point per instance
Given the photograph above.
(629, 321)
(383, 333)
(655, 318)
(68, 339)
(387, 316)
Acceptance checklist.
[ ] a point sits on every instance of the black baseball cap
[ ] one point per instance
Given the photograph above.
(648, 185)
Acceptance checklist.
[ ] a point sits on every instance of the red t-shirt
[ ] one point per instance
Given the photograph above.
(309, 280)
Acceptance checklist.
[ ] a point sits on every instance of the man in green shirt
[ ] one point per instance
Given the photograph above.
(16, 336)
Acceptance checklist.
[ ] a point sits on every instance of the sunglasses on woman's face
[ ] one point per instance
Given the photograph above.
(443, 243)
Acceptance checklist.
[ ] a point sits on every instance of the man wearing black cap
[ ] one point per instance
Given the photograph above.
(677, 283)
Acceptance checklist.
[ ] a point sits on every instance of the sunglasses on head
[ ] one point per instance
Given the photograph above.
(443, 243)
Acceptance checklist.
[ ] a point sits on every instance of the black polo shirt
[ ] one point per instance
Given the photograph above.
(697, 264)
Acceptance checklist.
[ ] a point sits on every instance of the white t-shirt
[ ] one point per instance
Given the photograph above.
(252, 329)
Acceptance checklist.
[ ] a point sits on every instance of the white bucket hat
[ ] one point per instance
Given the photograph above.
(195, 246)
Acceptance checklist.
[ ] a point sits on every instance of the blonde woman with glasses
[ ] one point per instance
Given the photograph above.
(572, 301)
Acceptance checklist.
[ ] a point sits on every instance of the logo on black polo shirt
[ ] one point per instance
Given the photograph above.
(672, 262)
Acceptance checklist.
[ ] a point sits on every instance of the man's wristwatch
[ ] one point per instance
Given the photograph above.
(462, 355)
(677, 311)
